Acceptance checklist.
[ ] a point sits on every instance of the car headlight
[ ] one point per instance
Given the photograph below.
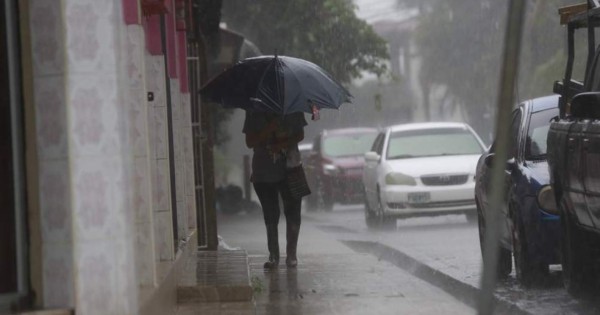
(546, 200)
(399, 179)
(330, 169)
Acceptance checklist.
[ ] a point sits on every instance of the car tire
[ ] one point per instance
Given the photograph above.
(384, 222)
(472, 216)
(323, 201)
(528, 270)
(504, 266)
(370, 215)
(579, 275)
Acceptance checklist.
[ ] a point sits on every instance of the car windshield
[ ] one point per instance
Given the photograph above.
(348, 144)
(538, 132)
(432, 142)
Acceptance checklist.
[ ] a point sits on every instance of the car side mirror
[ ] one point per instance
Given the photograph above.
(372, 156)
(489, 161)
(586, 105)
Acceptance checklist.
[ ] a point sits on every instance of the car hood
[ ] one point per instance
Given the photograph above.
(415, 167)
(346, 162)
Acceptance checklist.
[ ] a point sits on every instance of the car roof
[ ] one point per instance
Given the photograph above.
(545, 102)
(343, 131)
(427, 125)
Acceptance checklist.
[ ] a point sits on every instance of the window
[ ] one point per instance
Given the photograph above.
(347, 144)
(537, 133)
(432, 142)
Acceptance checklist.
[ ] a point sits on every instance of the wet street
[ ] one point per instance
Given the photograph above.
(427, 264)
(445, 251)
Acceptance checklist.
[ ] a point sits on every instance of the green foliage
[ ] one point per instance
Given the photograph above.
(325, 32)
(460, 42)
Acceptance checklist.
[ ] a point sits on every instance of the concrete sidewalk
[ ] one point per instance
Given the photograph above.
(330, 279)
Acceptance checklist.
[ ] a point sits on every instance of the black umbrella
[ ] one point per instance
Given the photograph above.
(276, 84)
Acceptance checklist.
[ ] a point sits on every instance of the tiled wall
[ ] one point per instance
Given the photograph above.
(159, 157)
(134, 50)
(105, 191)
(100, 159)
(48, 45)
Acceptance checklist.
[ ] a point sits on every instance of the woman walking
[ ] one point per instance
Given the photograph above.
(274, 140)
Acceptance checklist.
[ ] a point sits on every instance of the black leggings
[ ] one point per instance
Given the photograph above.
(268, 194)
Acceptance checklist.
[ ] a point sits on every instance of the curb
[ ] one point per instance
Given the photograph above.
(462, 291)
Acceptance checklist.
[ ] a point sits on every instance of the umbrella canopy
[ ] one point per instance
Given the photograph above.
(276, 84)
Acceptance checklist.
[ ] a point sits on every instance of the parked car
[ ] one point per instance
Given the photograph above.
(420, 169)
(334, 166)
(530, 232)
(573, 158)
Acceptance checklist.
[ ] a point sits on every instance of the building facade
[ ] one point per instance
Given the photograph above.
(103, 190)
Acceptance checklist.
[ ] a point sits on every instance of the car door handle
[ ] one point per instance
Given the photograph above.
(571, 144)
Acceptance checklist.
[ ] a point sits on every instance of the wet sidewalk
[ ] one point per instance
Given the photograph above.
(331, 278)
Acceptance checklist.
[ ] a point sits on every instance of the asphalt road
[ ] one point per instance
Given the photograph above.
(445, 252)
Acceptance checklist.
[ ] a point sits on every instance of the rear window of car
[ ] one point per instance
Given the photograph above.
(432, 142)
(537, 133)
(348, 144)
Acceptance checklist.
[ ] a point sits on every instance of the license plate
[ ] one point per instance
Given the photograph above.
(420, 197)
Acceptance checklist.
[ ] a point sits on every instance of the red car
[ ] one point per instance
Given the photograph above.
(334, 167)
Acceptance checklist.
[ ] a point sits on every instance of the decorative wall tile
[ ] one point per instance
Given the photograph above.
(138, 123)
(145, 258)
(82, 26)
(58, 275)
(161, 140)
(134, 50)
(96, 278)
(162, 194)
(51, 116)
(95, 119)
(46, 37)
(104, 9)
(90, 38)
(163, 232)
(55, 207)
(155, 78)
(141, 190)
(100, 195)
(127, 278)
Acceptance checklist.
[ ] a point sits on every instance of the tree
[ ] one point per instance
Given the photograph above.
(460, 43)
(325, 32)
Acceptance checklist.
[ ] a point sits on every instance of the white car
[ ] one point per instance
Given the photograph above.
(421, 169)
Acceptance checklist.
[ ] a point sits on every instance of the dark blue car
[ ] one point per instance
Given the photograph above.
(530, 232)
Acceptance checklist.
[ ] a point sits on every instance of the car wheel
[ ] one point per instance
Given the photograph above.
(324, 201)
(504, 266)
(577, 259)
(383, 221)
(472, 216)
(528, 270)
(370, 215)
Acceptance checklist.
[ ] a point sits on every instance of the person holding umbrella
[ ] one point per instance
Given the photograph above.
(275, 91)
(274, 140)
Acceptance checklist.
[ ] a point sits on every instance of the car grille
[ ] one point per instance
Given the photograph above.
(444, 180)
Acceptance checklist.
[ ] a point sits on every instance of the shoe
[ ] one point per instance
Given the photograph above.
(291, 262)
(272, 263)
